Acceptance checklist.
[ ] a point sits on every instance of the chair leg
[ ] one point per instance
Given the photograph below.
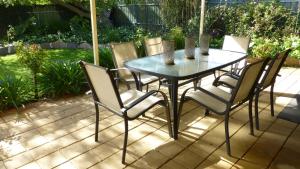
(195, 84)
(170, 92)
(272, 99)
(159, 84)
(125, 141)
(256, 111)
(97, 122)
(179, 111)
(227, 134)
(206, 112)
(250, 116)
(167, 109)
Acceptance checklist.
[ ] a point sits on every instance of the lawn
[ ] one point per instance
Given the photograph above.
(11, 64)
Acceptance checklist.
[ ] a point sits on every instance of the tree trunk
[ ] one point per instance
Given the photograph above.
(72, 8)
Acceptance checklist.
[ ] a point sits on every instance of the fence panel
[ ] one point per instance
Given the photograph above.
(149, 16)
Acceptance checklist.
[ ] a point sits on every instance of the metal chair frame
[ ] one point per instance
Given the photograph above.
(230, 105)
(123, 109)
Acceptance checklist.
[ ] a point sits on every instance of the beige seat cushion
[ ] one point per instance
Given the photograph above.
(131, 95)
(211, 102)
(228, 80)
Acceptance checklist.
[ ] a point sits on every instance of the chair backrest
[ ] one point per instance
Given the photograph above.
(102, 85)
(274, 68)
(247, 81)
(236, 44)
(153, 46)
(123, 52)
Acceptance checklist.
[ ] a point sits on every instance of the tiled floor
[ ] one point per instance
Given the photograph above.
(60, 134)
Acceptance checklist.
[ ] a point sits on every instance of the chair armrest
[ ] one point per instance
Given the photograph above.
(136, 79)
(137, 101)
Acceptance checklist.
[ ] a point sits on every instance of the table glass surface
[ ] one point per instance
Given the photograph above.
(183, 67)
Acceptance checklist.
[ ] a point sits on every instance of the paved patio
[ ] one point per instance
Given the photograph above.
(60, 134)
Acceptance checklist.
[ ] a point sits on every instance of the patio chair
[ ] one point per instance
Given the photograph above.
(221, 102)
(153, 46)
(128, 105)
(236, 44)
(123, 52)
(268, 80)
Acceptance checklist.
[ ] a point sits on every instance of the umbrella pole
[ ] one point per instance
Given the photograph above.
(94, 31)
(202, 18)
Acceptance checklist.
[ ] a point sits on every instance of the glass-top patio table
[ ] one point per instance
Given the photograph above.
(191, 69)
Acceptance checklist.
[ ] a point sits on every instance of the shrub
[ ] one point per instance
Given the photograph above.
(293, 42)
(60, 78)
(105, 58)
(31, 56)
(263, 47)
(12, 91)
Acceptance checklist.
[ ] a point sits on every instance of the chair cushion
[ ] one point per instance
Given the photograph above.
(228, 80)
(209, 101)
(131, 95)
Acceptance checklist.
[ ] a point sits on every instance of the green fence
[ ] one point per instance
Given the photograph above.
(149, 15)
(50, 17)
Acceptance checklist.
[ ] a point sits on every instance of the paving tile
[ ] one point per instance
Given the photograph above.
(152, 159)
(215, 164)
(173, 165)
(85, 160)
(268, 145)
(44, 150)
(51, 160)
(18, 160)
(287, 158)
(66, 165)
(32, 165)
(247, 164)
(170, 149)
(115, 161)
(2, 166)
(73, 150)
(188, 159)
(105, 150)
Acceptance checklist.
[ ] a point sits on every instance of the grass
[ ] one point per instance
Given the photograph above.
(11, 64)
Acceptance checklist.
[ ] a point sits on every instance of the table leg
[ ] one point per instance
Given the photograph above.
(174, 93)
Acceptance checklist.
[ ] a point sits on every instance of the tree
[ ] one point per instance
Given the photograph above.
(80, 7)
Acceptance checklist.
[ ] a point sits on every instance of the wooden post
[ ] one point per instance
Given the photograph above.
(94, 31)
(202, 17)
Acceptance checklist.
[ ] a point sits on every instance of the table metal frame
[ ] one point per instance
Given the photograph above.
(173, 80)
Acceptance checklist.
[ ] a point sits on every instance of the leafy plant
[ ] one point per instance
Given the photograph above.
(12, 91)
(105, 58)
(177, 35)
(11, 33)
(59, 78)
(32, 56)
(293, 42)
(263, 47)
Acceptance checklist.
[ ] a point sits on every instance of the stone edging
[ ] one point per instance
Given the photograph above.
(10, 49)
